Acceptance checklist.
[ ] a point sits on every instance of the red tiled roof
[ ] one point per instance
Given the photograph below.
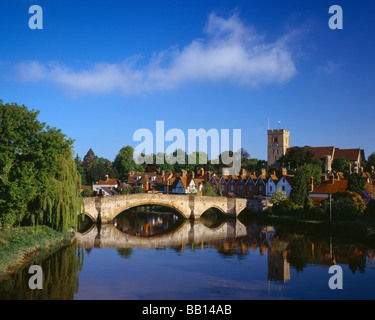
(348, 154)
(321, 152)
(111, 182)
(329, 188)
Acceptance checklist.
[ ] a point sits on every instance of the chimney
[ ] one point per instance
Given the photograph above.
(263, 172)
(193, 175)
(350, 168)
(202, 172)
(183, 173)
(311, 184)
(332, 179)
(162, 173)
(372, 170)
(106, 178)
(283, 171)
(244, 172)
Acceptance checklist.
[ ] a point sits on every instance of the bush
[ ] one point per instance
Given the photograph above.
(88, 193)
(347, 205)
(286, 208)
(278, 196)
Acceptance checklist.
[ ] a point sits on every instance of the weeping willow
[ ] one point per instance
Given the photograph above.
(60, 204)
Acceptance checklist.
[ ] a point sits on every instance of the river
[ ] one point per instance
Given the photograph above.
(149, 254)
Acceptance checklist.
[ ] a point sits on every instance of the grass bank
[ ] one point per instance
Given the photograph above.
(360, 230)
(22, 244)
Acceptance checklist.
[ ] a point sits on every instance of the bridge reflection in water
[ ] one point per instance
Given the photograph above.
(183, 232)
(156, 231)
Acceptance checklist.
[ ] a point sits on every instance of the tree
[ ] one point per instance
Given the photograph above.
(124, 162)
(347, 203)
(278, 196)
(89, 159)
(297, 157)
(356, 183)
(81, 169)
(207, 190)
(370, 162)
(340, 165)
(39, 183)
(301, 182)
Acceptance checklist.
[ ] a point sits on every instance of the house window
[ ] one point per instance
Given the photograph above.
(260, 188)
(283, 188)
(250, 188)
(222, 188)
(231, 188)
(271, 188)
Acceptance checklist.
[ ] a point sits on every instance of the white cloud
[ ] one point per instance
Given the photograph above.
(230, 51)
(329, 68)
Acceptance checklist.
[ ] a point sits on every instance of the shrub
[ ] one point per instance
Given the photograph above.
(346, 204)
(278, 196)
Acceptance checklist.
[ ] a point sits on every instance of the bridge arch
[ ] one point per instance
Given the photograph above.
(148, 203)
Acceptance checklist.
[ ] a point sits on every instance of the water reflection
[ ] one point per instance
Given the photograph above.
(249, 255)
(60, 277)
(142, 223)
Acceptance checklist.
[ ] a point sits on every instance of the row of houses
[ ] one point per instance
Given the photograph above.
(248, 185)
(243, 185)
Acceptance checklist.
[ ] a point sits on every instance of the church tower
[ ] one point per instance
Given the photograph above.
(278, 143)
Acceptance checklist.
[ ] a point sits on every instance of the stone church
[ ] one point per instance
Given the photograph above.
(279, 144)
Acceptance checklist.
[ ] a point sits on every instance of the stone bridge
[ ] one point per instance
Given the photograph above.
(106, 209)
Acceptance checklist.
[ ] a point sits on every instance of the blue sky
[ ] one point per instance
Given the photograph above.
(100, 70)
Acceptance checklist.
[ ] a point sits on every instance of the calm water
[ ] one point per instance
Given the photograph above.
(155, 255)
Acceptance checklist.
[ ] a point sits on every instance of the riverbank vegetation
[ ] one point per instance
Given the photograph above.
(39, 186)
(20, 244)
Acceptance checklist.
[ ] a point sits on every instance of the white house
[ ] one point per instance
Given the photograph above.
(185, 185)
(105, 187)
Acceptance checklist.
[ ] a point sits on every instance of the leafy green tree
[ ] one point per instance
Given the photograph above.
(89, 159)
(340, 165)
(278, 196)
(297, 157)
(356, 183)
(38, 177)
(81, 169)
(207, 190)
(124, 162)
(301, 182)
